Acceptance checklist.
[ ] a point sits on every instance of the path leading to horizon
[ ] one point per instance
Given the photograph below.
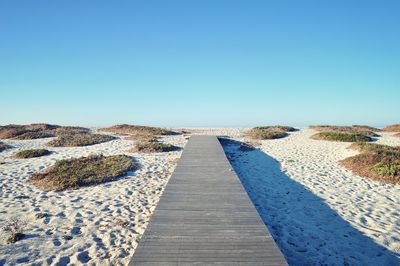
(205, 216)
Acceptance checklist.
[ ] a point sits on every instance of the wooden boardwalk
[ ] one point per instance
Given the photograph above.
(205, 217)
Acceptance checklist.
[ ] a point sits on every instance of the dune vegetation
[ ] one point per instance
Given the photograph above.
(70, 130)
(38, 131)
(85, 171)
(4, 146)
(378, 162)
(78, 140)
(365, 128)
(268, 132)
(153, 145)
(135, 132)
(35, 135)
(392, 128)
(31, 153)
(341, 136)
(356, 129)
(345, 133)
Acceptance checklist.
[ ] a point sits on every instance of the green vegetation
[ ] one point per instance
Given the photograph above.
(341, 136)
(78, 140)
(37, 131)
(356, 129)
(153, 145)
(85, 171)
(31, 153)
(379, 162)
(4, 146)
(385, 169)
(392, 128)
(268, 132)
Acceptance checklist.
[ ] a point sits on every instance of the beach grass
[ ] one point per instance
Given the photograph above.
(341, 136)
(268, 132)
(31, 153)
(85, 171)
(78, 140)
(378, 162)
(392, 128)
(4, 146)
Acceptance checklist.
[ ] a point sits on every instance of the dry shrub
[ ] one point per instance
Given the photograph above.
(8, 132)
(356, 129)
(85, 171)
(277, 127)
(341, 136)
(37, 131)
(35, 135)
(268, 132)
(14, 228)
(153, 145)
(31, 153)
(397, 135)
(4, 146)
(373, 147)
(378, 162)
(78, 140)
(40, 126)
(136, 130)
(392, 128)
(68, 130)
(366, 128)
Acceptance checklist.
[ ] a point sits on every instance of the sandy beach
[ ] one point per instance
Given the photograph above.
(97, 225)
(317, 211)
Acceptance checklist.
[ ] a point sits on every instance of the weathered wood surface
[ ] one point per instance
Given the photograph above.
(205, 217)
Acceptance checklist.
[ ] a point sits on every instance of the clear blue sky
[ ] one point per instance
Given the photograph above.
(200, 62)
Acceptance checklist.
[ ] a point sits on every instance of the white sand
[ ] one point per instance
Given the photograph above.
(104, 221)
(319, 212)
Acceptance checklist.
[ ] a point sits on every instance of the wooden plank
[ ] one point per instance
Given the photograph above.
(205, 217)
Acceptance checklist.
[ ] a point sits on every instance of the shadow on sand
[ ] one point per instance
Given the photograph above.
(305, 228)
